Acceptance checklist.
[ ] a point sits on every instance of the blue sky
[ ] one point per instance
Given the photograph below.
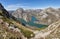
(29, 4)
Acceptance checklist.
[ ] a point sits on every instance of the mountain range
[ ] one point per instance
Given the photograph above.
(13, 23)
(44, 16)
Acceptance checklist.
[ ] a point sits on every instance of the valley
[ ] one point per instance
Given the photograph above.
(29, 23)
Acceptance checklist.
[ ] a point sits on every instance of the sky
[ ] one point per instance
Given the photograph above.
(29, 4)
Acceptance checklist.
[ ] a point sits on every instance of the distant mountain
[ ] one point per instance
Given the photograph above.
(11, 11)
(44, 16)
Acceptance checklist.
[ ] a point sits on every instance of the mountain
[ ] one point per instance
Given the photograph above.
(44, 16)
(19, 13)
(11, 26)
(11, 11)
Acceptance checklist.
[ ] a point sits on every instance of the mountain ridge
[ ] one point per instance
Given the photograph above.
(45, 16)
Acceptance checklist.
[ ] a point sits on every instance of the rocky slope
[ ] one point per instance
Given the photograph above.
(55, 34)
(51, 32)
(44, 16)
(9, 28)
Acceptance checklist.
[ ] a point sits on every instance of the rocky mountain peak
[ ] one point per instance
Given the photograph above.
(50, 9)
(20, 10)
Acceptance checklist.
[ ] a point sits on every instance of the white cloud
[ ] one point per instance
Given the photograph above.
(14, 7)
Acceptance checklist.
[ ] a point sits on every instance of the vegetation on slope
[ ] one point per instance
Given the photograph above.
(25, 32)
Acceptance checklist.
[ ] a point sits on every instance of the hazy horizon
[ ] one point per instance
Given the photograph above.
(30, 4)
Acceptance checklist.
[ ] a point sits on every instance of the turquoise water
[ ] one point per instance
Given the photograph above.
(32, 23)
(33, 19)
